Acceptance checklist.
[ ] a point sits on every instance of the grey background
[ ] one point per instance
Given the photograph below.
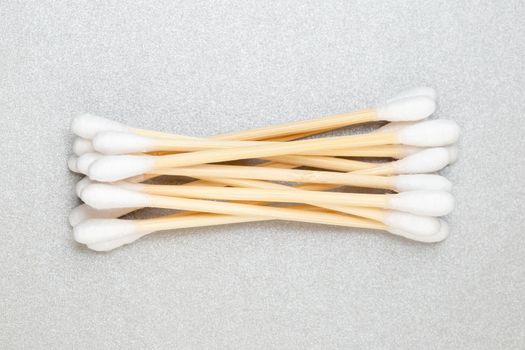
(204, 67)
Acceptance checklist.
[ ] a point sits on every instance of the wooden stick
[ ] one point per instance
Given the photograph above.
(329, 163)
(280, 213)
(385, 151)
(300, 127)
(273, 174)
(171, 222)
(268, 195)
(369, 213)
(185, 144)
(272, 149)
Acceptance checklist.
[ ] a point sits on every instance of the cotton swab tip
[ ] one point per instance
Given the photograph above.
(88, 125)
(72, 164)
(115, 142)
(439, 236)
(423, 91)
(443, 231)
(421, 182)
(105, 246)
(114, 168)
(85, 161)
(97, 230)
(416, 224)
(407, 109)
(431, 203)
(81, 146)
(453, 153)
(103, 196)
(426, 161)
(79, 187)
(432, 133)
(84, 212)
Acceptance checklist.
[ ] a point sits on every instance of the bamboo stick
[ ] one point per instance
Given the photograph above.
(280, 213)
(271, 150)
(171, 222)
(267, 195)
(274, 174)
(300, 127)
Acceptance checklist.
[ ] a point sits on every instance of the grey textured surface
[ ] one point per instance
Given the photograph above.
(204, 67)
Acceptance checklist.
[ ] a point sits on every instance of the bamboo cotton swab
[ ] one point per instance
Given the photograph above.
(108, 234)
(396, 183)
(103, 196)
(427, 134)
(407, 108)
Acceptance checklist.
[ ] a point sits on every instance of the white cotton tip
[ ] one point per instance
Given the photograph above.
(423, 91)
(439, 236)
(431, 203)
(105, 246)
(453, 153)
(84, 212)
(88, 125)
(406, 109)
(421, 182)
(114, 168)
(99, 230)
(442, 233)
(431, 133)
(114, 142)
(81, 146)
(103, 196)
(72, 164)
(427, 161)
(85, 161)
(79, 187)
(417, 224)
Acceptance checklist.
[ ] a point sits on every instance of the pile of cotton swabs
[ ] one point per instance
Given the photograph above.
(379, 180)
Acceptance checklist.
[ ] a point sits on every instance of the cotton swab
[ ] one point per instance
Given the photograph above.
(265, 195)
(103, 196)
(406, 108)
(91, 232)
(409, 108)
(306, 176)
(108, 234)
(426, 134)
(384, 151)
(426, 161)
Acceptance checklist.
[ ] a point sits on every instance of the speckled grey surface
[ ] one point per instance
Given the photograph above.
(204, 67)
